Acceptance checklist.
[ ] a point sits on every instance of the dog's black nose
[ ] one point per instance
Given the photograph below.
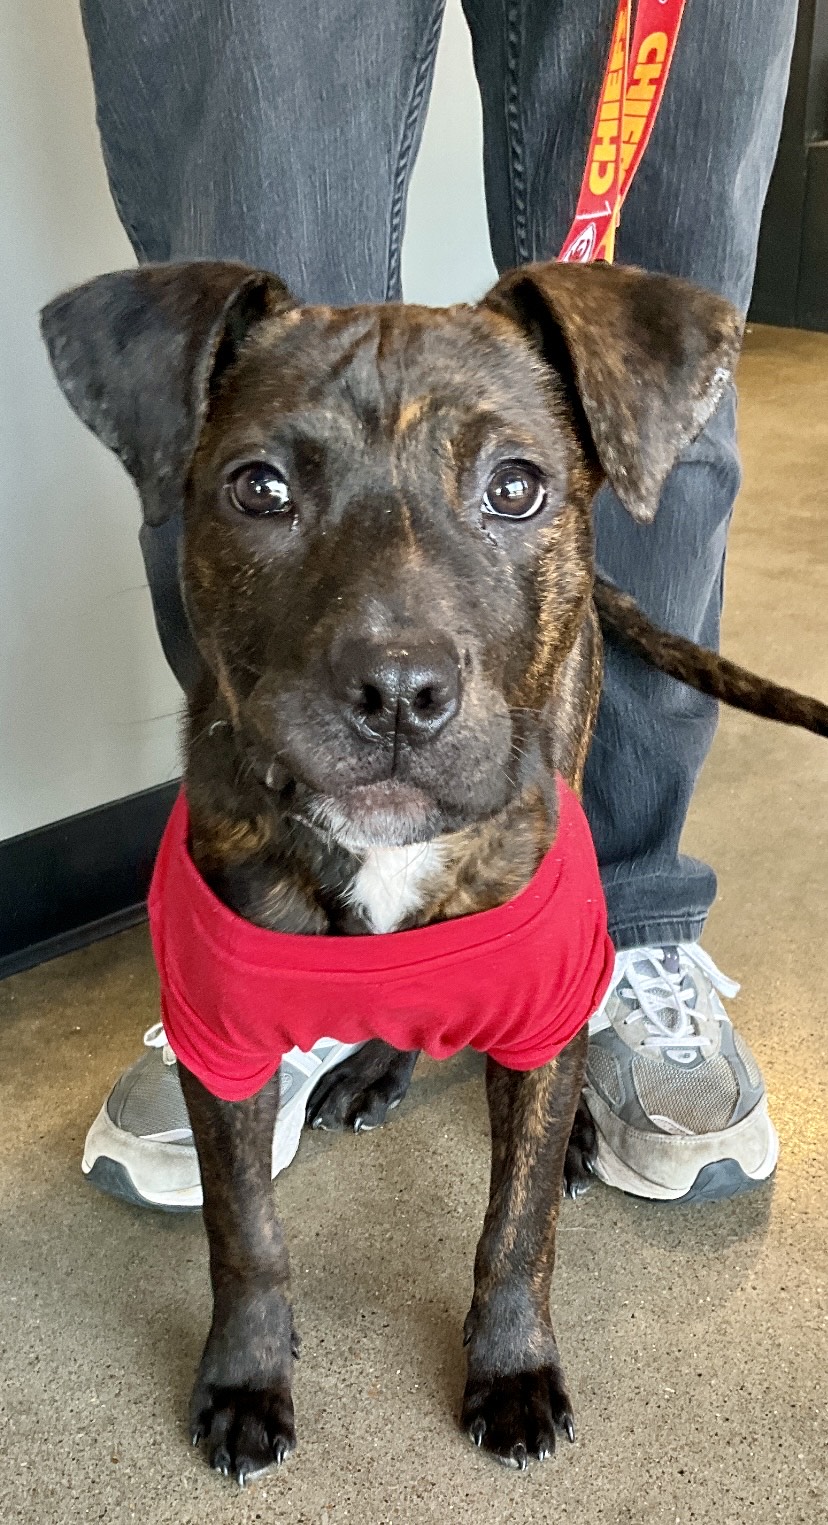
(411, 689)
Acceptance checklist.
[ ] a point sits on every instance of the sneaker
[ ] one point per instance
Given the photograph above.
(140, 1147)
(677, 1098)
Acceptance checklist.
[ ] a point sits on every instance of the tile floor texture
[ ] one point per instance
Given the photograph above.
(695, 1339)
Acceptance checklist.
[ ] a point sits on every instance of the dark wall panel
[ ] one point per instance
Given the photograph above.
(790, 288)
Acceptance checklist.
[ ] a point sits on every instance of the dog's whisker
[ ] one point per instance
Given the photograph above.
(152, 719)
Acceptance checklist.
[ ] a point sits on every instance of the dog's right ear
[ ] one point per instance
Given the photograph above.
(136, 353)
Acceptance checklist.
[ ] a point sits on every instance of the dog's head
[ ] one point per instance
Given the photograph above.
(387, 539)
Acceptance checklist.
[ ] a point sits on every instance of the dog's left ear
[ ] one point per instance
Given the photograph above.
(648, 357)
(137, 352)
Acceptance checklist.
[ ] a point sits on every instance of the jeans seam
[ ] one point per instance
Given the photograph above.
(412, 117)
(685, 917)
(514, 134)
(655, 934)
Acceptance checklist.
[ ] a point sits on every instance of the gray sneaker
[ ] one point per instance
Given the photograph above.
(677, 1097)
(140, 1147)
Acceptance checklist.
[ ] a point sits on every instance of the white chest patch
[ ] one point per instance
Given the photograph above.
(391, 883)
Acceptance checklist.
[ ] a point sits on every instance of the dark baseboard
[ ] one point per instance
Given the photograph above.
(66, 884)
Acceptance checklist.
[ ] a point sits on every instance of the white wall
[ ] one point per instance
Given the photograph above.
(88, 709)
(446, 255)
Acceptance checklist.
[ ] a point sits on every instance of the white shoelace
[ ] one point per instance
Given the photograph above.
(662, 998)
(307, 1064)
(155, 1037)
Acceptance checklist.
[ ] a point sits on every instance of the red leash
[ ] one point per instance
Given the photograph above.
(631, 93)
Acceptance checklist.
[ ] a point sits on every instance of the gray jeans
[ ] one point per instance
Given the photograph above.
(284, 135)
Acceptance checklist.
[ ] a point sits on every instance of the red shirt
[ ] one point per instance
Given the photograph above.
(517, 982)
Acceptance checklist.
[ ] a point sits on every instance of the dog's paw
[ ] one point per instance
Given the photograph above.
(241, 1409)
(516, 1417)
(363, 1089)
(580, 1153)
(244, 1429)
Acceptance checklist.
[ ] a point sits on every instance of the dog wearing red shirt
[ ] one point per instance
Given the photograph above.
(386, 563)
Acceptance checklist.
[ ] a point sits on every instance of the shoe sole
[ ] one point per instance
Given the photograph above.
(129, 1168)
(113, 1178)
(714, 1182)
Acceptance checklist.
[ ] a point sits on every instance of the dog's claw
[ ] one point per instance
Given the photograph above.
(580, 1154)
(476, 1432)
(361, 1125)
(569, 1426)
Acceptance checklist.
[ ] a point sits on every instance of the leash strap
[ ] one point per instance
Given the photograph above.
(631, 92)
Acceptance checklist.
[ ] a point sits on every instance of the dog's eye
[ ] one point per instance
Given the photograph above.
(515, 491)
(260, 489)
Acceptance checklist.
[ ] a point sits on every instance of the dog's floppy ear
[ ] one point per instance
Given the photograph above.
(648, 355)
(135, 353)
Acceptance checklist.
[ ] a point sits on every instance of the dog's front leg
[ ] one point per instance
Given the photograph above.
(515, 1396)
(242, 1405)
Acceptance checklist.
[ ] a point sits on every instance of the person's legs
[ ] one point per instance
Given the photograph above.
(284, 136)
(694, 210)
(281, 135)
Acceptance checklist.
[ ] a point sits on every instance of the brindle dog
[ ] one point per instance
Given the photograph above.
(387, 566)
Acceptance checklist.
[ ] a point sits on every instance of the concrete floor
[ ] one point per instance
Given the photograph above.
(696, 1340)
